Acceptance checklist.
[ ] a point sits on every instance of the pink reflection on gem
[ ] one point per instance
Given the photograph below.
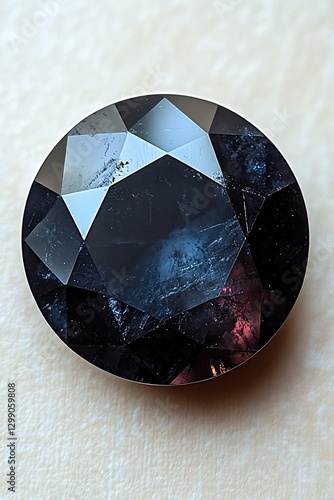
(238, 309)
(237, 325)
(230, 324)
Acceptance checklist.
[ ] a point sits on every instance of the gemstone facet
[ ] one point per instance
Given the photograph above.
(165, 239)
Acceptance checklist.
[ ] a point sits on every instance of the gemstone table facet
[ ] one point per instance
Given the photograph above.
(165, 239)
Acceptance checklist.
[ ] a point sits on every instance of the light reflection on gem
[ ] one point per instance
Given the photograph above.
(157, 239)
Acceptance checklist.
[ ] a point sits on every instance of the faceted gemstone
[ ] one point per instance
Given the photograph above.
(165, 239)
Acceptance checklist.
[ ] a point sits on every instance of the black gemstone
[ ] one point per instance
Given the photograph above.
(165, 239)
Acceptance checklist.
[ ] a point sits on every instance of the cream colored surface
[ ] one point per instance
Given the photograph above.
(264, 431)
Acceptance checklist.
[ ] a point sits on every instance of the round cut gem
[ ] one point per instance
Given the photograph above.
(165, 239)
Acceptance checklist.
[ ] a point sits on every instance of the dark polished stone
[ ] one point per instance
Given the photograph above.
(165, 239)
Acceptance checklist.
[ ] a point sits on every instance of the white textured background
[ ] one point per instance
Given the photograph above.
(264, 431)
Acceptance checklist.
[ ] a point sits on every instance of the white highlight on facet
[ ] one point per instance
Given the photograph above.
(136, 154)
(166, 127)
(92, 162)
(83, 207)
(89, 161)
(199, 154)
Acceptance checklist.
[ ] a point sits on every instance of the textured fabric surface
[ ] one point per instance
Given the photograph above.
(262, 431)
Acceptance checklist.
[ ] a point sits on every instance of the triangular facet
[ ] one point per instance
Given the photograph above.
(136, 154)
(200, 111)
(105, 120)
(199, 154)
(83, 207)
(246, 205)
(85, 274)
(133, 109)
(227, 122)
(167, 127)
(40, 278)
(50, 174)
(56, 241)
(253, 204)
(91, 161)
(39, 203)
